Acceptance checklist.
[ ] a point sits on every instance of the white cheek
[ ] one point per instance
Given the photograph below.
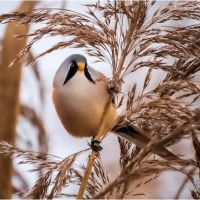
(60, 76)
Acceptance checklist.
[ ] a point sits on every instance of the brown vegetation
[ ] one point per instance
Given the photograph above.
(129, 35)
(9, 94)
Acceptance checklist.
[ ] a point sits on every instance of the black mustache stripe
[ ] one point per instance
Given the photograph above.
(88, 76)
(73, 71)
(70, 74)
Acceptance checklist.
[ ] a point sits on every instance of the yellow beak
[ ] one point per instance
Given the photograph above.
(81, 66)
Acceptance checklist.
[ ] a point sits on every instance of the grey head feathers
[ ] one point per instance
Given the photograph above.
(76, 58)
(69, 67)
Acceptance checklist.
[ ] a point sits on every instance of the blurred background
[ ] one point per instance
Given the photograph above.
(37, 125)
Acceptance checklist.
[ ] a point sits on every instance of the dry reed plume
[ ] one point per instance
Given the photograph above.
(129, 35)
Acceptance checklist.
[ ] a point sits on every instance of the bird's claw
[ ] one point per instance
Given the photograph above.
(95, 145)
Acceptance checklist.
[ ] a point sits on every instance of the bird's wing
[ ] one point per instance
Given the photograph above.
(139, 137)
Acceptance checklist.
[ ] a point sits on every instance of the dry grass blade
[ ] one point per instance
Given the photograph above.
(94, 154)
(31, 115)
(184, 183)
(64, 170)
(62, 177)
(149, 169)
(196, 145)
(127, 152)
(29, 157)
(98, 178)
(130, 170)
(196, 192)
(50, 163)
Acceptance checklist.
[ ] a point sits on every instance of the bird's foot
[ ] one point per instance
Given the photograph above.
(95, 145)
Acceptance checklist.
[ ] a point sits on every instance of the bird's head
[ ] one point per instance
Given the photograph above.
(77, 61)
(70, 67)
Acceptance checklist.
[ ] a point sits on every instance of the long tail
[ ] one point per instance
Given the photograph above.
(141, 139)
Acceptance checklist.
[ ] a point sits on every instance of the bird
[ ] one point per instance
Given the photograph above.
(80, 94)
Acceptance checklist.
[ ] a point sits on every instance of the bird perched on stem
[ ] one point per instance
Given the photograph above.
(80, 94)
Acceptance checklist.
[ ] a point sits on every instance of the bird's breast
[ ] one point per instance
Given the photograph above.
(80, 105)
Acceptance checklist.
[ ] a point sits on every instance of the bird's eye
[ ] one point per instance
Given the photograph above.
(72, 65)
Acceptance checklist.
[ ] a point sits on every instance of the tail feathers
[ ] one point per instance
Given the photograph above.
(141, 139)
